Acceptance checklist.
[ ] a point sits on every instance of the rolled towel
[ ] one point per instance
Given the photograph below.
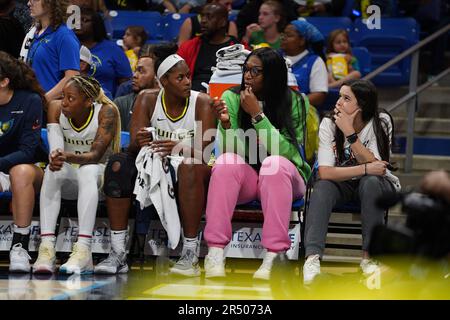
(225, 64)
(231, 51)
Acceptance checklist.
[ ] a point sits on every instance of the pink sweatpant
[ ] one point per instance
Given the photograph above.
(235, 182)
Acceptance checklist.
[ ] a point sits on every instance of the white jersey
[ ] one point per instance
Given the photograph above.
(80, 140)
(180, 129)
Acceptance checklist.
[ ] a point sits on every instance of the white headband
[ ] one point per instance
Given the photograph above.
(168, 63)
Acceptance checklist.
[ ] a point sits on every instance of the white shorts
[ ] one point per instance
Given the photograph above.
(5, 184)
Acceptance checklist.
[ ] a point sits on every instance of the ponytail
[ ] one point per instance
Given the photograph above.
(93, 90)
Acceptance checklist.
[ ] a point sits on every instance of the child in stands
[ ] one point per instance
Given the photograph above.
(342, 65)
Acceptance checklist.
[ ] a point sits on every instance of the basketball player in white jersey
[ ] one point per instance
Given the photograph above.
(83, 129)
(173, 112)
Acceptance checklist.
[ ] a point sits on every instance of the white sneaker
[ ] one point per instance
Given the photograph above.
(80, 261)
(263, 272)
(369, 266)
(19, 260)
(311, 268)
(45, 262)
(113, 264)
(215, 263)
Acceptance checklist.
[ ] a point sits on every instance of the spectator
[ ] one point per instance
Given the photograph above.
(21, 106)
(200, 52)
(181, 6)
(143, 78)
(179, 108)
(54, 53)
(191, 26)
(250, 13)
(271, 22)
(85, 61)
(22, 13)
(354, 151)
(321, 8)
(309, 69)
(133, 39)
(341, 64)
(276, 180)
(111, 66)
(96, 5)
(11, 31)
(79, 148)
(127, 5)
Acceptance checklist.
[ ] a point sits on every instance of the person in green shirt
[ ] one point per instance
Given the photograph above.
(265, 163)
(267, 32)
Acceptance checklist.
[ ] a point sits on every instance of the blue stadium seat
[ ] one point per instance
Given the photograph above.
(395, 36)
(124, 139)
(171, 24)
(150, 20)
(328, 24)
(364, 59)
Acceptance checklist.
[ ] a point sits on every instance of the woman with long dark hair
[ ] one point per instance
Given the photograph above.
(274, 116)
(354, 154)
(21, 107)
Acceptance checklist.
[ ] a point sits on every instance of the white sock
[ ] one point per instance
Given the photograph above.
(50, 239)
(24, 231)
(118, 240)
(85, 241)
(190, 243)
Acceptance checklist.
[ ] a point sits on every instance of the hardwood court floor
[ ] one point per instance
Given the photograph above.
(151, 280)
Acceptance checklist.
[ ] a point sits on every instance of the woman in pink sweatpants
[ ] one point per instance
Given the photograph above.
(276, 115)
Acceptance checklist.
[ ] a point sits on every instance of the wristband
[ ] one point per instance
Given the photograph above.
(365, 169)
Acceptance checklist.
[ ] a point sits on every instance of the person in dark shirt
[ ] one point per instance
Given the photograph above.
(12, 32)
(21, 106)
(200, 52)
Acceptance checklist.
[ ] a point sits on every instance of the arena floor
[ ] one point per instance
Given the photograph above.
(151, 280)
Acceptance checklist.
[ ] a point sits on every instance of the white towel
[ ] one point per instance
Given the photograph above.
(155, 185)
(232, 51)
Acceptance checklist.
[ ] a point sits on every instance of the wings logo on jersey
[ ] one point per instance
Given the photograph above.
(5, 126)
(178, 134)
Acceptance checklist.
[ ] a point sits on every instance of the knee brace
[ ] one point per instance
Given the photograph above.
(120, 176)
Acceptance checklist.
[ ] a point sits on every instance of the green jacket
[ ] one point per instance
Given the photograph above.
(266, 133)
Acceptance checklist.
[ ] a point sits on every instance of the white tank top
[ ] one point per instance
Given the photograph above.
(80, 140)
(182, 128)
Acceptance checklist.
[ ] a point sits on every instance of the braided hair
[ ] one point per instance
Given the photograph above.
(92, 89)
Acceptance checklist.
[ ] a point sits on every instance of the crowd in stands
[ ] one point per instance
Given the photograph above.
(85, 89)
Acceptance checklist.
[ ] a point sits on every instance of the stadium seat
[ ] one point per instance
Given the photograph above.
(364, 59)
(328, 24)
(124, 139)
(395, 36)
(171, 24)
(150, 20)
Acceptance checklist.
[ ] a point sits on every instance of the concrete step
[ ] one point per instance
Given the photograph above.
(432, 103)
(424, 126)
(348, 253)
(423, 163)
